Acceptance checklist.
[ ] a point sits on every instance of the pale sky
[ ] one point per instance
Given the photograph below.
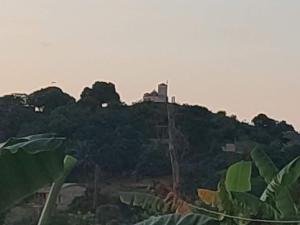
(241, 56)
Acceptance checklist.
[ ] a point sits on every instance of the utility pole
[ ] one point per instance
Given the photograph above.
(172, 149)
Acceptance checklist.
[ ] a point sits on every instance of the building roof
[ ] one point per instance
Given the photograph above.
(152, 94)
(163, 84)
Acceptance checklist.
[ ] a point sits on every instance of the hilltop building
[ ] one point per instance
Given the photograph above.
(157, 96)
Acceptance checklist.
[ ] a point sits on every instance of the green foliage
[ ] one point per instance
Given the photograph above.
(276, 202)
(248, 204)
(232, 197)
(123, 140)
(12, 100)
(238, 177)
(278, 189)
(241, 204)
(263, 121)
(26, 165)
(154, 162)
(284, 179)
(101, 93)
(130, 131)
(283, 201)
(13, 114)
(47, 99)
(265, 165)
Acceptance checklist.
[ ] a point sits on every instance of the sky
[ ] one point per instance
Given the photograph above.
(233, 55)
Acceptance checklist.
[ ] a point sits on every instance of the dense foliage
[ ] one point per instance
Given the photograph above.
(233, 202)
(123, 140)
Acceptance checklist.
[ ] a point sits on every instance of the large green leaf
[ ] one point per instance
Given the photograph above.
(32, 144)
(253, 206)
(238, 177)
(264, 164)
(244, 205)
(146, 201)
(176, 219)
(285, 204)
(267, 169)
(278, 188)
(26, 165)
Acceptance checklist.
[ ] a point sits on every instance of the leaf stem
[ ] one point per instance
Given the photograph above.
(69, 163)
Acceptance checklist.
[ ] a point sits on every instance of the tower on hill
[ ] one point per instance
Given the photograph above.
(160, 96)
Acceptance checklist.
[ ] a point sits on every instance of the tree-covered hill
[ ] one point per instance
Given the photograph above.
(132, 140)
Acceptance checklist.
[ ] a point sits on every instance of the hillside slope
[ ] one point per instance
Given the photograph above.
(132, 140)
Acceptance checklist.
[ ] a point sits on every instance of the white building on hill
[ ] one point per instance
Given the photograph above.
(160, 96)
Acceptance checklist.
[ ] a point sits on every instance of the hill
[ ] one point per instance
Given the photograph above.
(131, 140)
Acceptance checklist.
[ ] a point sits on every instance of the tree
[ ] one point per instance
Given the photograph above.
(14, 112)
(263, 121)
(48, 99)
(100, 94)
(14, 99)
(269, 130)
(283, 126)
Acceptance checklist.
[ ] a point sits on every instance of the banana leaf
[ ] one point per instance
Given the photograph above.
(238, 177)
(28, 164)
(278, 189)
(254, 206)
(267, 169)
(264, 164)
(243, 204)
